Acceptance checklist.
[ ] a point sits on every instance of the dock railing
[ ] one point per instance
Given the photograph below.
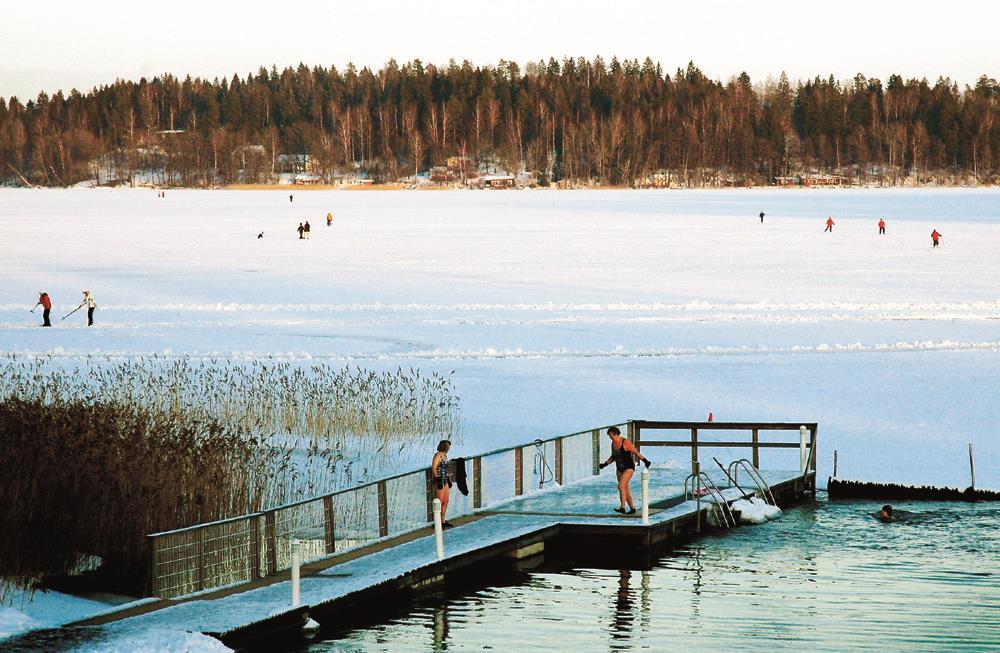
(241, 549)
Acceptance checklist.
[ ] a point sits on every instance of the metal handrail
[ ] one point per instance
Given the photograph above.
(716, 494)
(755, 476)
(355, 488)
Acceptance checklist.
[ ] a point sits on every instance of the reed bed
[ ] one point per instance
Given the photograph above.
(96, 456)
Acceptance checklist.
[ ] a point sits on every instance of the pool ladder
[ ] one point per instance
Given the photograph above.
(763, 489)
(719, 503)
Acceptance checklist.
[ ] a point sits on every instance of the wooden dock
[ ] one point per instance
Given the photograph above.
(569, 523)
(372, 546)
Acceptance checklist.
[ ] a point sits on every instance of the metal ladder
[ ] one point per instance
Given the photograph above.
(762, 487)
(542, 465)
(719, 503)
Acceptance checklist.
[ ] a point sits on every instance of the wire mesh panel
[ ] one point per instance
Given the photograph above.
(538, 466)
(356, 518)
(304, 522)
(498, 477)
(577, 457)
(460, 504)
(407, 502)
(205, 557)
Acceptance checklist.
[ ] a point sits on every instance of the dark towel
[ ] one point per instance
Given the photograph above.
(460, 478)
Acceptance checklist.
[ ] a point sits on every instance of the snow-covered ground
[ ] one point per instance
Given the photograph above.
(560, 310)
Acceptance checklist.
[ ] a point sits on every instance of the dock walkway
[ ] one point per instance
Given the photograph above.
(575, 515)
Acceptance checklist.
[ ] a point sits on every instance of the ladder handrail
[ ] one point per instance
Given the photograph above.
(717, 498)
(755, 476)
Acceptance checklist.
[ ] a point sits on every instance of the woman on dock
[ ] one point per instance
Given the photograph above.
(442, 479)
(623, 455)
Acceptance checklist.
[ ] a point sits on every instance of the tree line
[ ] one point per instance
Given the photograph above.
(578, 120)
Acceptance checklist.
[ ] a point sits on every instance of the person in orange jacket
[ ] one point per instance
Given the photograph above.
(829, 225)
(935, 237)
(623, 455)
(881, 226)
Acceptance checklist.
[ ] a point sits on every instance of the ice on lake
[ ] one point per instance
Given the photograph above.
(559, 310)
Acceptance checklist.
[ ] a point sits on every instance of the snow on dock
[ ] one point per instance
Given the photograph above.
(392, 569)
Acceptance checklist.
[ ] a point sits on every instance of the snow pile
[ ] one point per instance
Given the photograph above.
(14, 621)
(755, 510)
(156, 640)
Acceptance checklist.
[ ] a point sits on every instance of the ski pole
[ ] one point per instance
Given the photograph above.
(71, 312)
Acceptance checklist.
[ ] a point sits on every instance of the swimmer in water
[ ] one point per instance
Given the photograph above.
(886, 513)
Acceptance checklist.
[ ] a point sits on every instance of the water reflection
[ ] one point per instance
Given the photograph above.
(622, 617)
(825, 577)
(440, 628)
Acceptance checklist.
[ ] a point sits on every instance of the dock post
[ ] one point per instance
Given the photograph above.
(696, 466)
(438, 530)
(595, 444)
(477, 483)
(972, 468)
(694, 450)
(645, 497)
(294, 546)
(755, 436)
(329, 533)
(803, 460)
(835, 463)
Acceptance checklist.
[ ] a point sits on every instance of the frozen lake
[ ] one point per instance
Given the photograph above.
(558, 311)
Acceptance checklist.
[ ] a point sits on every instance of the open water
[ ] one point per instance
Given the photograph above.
(826, 576)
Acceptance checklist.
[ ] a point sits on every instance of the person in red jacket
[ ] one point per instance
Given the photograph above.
(935, 237)
(829, 225)
(623, 454)
(46, 302)
(881, 226)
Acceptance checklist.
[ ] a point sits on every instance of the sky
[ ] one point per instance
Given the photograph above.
(61, 45)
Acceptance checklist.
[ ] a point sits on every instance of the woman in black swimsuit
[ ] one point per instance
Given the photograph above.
(442, 479)
(623, 455)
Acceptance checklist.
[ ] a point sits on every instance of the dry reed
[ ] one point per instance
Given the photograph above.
(96, 456)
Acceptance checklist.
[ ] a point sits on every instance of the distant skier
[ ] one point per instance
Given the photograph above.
(260, 235)
(306, 229)
(329, 219)
(290, 198)
(935, 237)
(88, 301)
(46, 303)
(829, 225)
(881, 226)
(762, 217)
(301, 231)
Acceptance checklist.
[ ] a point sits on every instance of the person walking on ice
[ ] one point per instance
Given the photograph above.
(442, 478)
(306, 229)
(935, 237)
(881, 226)
(329, 219)
(829, 225)
(301, 231)
(623, 455)
(762, 217)
(88, 301)
(46, 303)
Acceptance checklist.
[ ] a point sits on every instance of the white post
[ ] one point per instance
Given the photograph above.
(803, 458)
(696, 469)
(295, 573)
(645, 497)
(972, 468)
(438, 529)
